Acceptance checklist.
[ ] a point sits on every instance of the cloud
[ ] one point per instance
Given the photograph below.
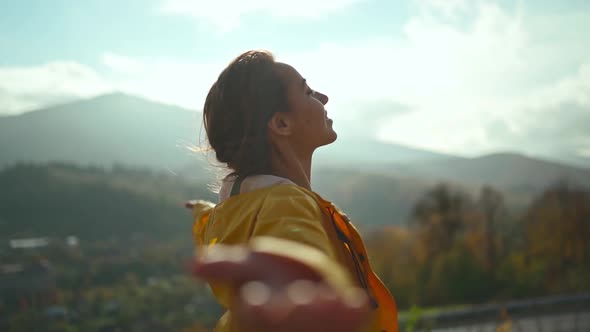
(177, 82)
(379, 109)
(123, 65)
(479, 77)
(561, 130)
(25, 88)
(554, 121)
(463, 68)
(584, 152)
(433, 62)
(225, 15)
(181, 83)
(363, 118)
(449, 9)
(452, 76)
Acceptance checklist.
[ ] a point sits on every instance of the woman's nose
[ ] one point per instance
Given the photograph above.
(321, 97)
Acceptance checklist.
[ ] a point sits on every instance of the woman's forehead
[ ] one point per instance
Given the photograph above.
(288, 74)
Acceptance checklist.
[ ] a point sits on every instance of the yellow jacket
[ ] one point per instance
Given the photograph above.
(289, 220)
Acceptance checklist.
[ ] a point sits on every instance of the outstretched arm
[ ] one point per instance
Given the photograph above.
(272, 292)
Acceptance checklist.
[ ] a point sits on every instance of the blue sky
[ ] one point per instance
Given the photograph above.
(37, 31)
(457, 76)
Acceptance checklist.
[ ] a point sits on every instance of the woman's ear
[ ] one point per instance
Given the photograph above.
(279, 124)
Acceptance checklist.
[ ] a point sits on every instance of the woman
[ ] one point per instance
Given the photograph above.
(277, 255)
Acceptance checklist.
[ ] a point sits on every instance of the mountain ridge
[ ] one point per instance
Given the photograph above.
(119, 128)
(132, 117)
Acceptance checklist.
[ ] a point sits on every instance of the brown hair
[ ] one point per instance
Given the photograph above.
(237, 109)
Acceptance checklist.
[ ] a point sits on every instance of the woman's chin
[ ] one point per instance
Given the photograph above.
(333, 137)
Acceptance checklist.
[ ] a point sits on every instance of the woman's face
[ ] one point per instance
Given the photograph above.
(310, 126)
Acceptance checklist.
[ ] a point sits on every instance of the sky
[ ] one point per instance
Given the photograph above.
(454, 76)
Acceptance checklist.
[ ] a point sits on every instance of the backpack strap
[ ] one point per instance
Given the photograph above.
(235, 189)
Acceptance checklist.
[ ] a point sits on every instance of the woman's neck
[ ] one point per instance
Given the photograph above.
(294, 166)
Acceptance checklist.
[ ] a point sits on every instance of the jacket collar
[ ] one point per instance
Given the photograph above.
(250, 183)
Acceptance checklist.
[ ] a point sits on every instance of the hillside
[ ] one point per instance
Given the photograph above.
(508, 171)
(94, 203)
(114, 128)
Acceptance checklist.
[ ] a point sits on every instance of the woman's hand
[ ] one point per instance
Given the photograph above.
(276, 293)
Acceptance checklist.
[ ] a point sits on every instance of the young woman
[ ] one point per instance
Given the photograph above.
(277, 255)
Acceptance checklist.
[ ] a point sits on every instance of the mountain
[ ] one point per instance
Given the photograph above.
(508, 171)
(120, 128)
(364, 152)
(113, 128)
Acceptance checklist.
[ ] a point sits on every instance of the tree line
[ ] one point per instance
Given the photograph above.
(460, 249)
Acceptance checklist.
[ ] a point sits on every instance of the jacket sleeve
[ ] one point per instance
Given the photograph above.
(200, 210)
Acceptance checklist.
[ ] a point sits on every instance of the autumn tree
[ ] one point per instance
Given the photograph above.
(392, 257)
(440, 216)
(494, 226)
(557, 228)
(448, 268)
